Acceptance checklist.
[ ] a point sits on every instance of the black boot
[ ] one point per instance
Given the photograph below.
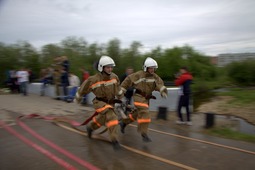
(89, 131)
(116, 145)
(122, 127)
(146, 138)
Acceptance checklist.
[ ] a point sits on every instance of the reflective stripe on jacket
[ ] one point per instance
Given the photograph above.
(102, 85)
(143, 120)
(144, 82)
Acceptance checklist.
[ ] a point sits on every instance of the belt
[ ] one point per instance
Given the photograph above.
(147, 96)
(111, 101)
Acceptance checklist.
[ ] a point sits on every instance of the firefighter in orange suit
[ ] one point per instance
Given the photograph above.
(145, 82)
(106, 87)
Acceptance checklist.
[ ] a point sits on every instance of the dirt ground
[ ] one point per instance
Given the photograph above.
(220, 105)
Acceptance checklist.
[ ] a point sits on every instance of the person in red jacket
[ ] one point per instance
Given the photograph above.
(184, 79)
(85, 74)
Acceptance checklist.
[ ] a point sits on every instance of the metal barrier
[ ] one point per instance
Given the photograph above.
(170, 103)
(209, 120)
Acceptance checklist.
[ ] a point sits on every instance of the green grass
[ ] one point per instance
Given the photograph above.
(244, 97)
(230, 134)
(241, 96)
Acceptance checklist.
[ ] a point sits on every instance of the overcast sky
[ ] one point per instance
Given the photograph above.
(210, 26)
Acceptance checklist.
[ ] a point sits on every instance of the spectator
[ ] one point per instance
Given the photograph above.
(45, 79)
(85, 76)
(49, 76)
(74, 83)
(65, 63)
(23, 78)
(129, 70)
(14, 85)
(64, 81)
(57, 67)
(61, 67)
(31, 76)
(184, 79)
(64, 74)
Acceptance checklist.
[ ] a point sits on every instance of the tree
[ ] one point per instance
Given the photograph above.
(79, 45)
(8, 61)
(242, 73)
(94, 53)
(48, 53)
(131, 57)
(82, 54)
(28, 57)
(113, 50)
(170, 63)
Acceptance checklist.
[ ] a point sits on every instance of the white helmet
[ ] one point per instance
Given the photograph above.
(149, 62)
(105, 60)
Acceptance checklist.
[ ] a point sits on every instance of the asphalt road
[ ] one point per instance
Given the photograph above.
(170, 145)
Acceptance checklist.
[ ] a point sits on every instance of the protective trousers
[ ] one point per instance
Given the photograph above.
(106, 117)
(141, 114)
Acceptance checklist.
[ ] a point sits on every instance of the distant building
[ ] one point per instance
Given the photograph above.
(224, 59)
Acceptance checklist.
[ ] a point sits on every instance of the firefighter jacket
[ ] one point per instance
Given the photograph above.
(105, 87)
(144, 83)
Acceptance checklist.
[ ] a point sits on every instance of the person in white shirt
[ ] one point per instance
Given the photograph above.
(23, 78)
(74, 83)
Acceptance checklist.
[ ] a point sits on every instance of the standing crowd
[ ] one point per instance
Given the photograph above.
(18, 80)
(65, 82)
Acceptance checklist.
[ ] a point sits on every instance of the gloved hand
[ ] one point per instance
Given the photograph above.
(120, 94)
(164, 94)
(120, 110)
(77, 99)
(117, 105)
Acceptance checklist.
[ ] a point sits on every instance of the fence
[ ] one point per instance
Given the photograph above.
(170, 103)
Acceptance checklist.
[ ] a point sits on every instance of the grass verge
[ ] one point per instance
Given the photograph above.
(225, 132)
(241, 96)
